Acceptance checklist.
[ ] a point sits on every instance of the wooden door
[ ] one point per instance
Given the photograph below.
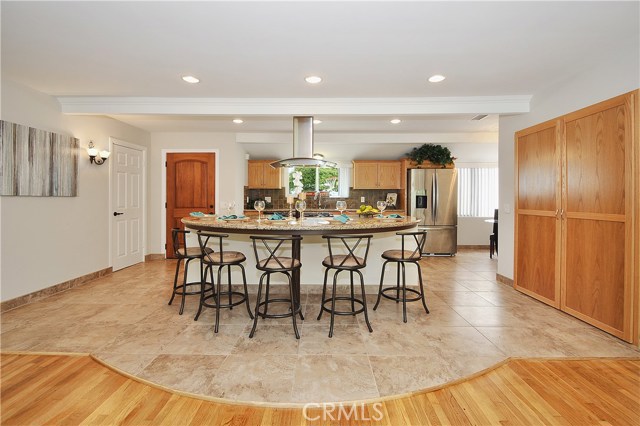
(597, 213)
(127, 206)
(255, 172)
(390, 174)
(190, 188)
(538, 226)
(365, 175)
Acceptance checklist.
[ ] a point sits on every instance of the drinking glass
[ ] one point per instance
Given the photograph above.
(259, 206)
(301, 205)
(231, 206)
(381, 206)
(341, 205)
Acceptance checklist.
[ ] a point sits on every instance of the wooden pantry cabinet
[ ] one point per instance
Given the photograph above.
(262, 176)
(377, 174)
(576, 213)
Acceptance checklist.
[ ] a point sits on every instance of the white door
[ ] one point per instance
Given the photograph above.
(127, 206)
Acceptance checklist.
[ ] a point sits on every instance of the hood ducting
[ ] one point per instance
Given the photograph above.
(302, 146)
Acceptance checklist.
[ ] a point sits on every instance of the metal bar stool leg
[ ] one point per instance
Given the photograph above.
(246, 291)
(324, 292)
(256, 312)
(398, 282)
(333, 302)
(218, 301)
(293, 306)
(380, 289)
(203, 285)
(424, 303)
(404, 293)
(184, 286)
(175, 281)
(364, 302)
(230, 290)
(266, 294)
(353, 303)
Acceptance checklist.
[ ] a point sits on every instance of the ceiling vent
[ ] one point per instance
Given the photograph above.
(479, 117)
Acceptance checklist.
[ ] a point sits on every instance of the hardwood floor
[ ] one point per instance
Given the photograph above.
(56, 389)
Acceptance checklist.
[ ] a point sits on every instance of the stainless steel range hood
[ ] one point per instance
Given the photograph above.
(302, 146)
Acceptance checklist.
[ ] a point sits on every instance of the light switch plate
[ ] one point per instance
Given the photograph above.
(267, 199)
(362, 199)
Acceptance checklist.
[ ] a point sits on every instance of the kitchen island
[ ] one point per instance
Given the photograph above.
(313, 248)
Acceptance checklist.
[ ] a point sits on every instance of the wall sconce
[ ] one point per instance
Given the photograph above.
(93, 153)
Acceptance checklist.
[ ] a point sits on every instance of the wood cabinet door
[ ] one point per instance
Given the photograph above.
(538, 227)
(597, 279)
(271, 176)
(390, 175)
(365, 175)
(255, 174)
(190, 187)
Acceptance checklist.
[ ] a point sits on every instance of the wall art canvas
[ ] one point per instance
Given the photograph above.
(37, 163)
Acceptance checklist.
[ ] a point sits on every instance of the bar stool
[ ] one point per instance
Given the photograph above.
(345, 262)
(276, 264)
(182, 252)
(401, 257)
(220, 258)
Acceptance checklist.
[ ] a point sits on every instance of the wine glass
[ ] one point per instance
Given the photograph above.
(301, 205)
(381, 206)
(231, 206)
(341, 205)
(259, 206)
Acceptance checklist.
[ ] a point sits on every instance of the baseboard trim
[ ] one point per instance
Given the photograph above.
(472, 247)
(46, 292)
(504, 280)
(150, 257)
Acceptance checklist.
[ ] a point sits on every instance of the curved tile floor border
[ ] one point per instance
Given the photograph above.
(123, 320)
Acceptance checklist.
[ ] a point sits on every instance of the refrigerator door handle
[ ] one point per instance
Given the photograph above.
(434, 197)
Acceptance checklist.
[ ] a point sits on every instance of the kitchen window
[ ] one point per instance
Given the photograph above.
(335, 181)
(477, 191)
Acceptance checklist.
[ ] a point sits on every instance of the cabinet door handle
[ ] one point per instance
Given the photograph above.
(117, 213)
(557, 211)
(561, 213)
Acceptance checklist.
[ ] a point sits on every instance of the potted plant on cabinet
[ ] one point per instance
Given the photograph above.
(437, 155)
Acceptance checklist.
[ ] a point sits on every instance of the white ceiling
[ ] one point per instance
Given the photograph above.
(263, 50)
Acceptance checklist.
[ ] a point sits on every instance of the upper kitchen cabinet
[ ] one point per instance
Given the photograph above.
(262, 175)
(576, 242)
(377, 174)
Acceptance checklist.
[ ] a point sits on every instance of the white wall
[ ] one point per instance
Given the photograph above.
(605, 80)
(231, 174)
(49, 240)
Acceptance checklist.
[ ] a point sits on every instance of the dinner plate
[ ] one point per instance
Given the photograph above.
(236, 219)
(390, 219)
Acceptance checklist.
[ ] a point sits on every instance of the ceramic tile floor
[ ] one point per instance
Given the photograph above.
(124, 320)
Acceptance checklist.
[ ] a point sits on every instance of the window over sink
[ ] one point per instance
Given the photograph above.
(335, 181)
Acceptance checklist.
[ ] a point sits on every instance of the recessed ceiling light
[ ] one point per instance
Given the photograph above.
(396, 121)
(238, 120)
(436, 78)
(190, 79)
(313, 79)
(315, 121)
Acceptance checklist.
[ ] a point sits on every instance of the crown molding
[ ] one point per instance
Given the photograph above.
(513, 104)
(371, 138)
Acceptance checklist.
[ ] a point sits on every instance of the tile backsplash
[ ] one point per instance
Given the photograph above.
(279, 200)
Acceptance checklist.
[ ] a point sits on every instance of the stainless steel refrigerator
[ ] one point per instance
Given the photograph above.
(433, 199)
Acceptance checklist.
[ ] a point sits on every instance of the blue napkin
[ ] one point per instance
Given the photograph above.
(196, 214)
(395, 216)
(342, 218)
(276, 216)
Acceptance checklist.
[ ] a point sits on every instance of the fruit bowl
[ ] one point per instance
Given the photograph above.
(367, 211)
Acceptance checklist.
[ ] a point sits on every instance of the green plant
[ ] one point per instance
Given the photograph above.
(437, 154)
